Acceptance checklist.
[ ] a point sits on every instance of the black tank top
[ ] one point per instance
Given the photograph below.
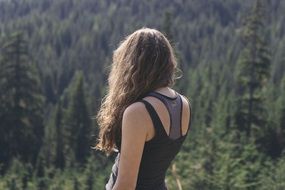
(161, 149)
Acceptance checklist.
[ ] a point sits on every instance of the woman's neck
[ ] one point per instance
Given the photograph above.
(167, 91)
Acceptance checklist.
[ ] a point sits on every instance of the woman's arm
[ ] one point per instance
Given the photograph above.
(134, 132)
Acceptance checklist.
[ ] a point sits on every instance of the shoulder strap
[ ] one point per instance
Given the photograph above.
(154, 117)
(174, 108)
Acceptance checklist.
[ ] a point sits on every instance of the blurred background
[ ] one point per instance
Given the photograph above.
(54, 62)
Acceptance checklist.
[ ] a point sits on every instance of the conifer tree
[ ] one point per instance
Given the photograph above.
(59, 152)
(21, 100)
(280, 137)
(253, 73)
(76, 184)
(78, 121)
(167, 25)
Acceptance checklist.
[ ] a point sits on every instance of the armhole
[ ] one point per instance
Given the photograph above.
(190, 113)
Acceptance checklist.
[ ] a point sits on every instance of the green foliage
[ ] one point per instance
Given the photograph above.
(78, 122)
(253, 73)
(273, 176)
(223, 58)
(21, 102)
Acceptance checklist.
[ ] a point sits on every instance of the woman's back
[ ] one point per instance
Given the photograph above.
(168, 121)
(148, 129)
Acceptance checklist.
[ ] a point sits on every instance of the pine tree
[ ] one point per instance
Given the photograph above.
(13, 184)
(280, 132)
(21, 102)
(78, 121)
(59, 152)
(90, 181)
(254, 64)
(76, 184)
(55, 143)
(167, 25)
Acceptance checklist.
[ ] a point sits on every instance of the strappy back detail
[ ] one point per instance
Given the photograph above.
(160, 150)
(174, 107)
(157, 124)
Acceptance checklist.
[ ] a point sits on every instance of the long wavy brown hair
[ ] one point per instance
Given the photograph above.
(143, 62)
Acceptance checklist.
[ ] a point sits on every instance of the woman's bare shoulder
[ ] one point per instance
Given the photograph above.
(136, 113)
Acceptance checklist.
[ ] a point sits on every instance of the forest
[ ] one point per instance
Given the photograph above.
(55, 57)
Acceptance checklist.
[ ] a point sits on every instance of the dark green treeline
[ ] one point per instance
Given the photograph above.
(21, 103)
(54, 61)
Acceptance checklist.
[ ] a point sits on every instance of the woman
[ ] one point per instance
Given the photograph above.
(141, 116)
